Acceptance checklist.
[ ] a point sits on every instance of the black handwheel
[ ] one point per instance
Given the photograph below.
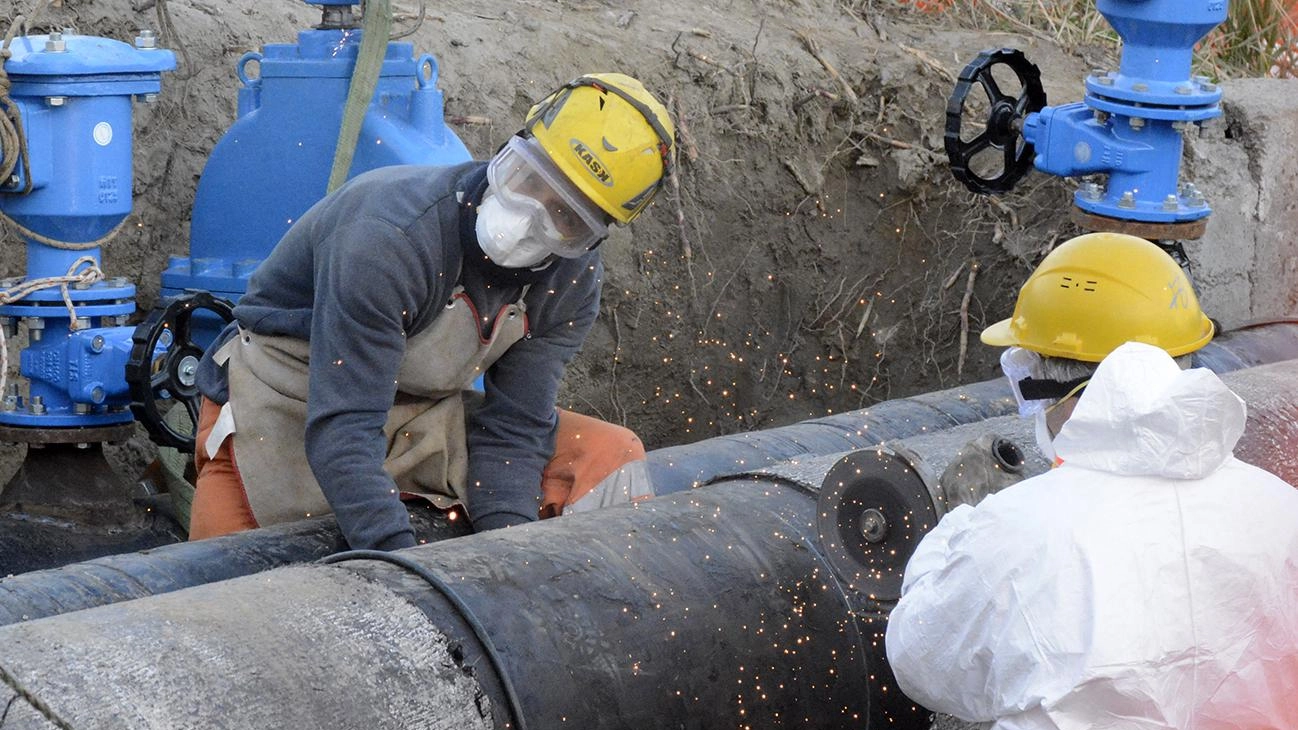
(1003, 126)
(170, 375)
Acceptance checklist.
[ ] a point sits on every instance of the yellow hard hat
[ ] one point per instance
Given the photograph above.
(1095, 292)
(610, 137)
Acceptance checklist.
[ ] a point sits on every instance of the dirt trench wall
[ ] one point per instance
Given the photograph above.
(813, 255)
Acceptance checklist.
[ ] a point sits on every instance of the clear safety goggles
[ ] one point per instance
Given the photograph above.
(530, 185)
(1032, 395)
(1018, 364)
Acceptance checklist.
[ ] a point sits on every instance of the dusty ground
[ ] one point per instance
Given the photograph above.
(814, 258)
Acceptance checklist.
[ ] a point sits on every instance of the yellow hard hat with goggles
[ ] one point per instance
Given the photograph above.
(609, 137)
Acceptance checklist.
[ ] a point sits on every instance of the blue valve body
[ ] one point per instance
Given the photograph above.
(274, 161)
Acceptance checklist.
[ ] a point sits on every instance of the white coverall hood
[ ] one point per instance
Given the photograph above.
(1148, 583)
(1142, 414)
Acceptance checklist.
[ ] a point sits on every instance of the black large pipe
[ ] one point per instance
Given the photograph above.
(715, 608)
(678, 468)
(112, 579)
(701, 610)
(755, 602)
(172, 567)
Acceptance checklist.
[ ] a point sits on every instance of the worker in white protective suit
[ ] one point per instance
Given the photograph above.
(1150, 581)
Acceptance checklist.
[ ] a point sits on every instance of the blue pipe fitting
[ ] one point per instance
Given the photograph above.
(83, 368)
(274, 161)
(1131, 123)
(75, 95)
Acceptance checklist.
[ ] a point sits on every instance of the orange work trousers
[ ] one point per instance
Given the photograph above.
(586, 451)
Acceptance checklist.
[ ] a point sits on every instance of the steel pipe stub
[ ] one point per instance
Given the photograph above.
(874, 507)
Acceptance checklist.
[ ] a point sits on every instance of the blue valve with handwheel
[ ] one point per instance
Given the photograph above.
(1125, 138)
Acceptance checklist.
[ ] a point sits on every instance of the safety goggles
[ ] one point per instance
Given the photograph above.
(529, 184)
(1034, 395)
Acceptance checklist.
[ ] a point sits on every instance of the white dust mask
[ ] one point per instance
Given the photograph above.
(503, 234)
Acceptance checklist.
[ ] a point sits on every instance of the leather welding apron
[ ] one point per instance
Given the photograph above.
(427, 454)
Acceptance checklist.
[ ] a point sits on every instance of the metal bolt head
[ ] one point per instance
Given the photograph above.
(1140, 86)
(1170, 203)
(146, 40)
(1104, 81)
(187, 371)
(97, 344)
(1207, 86)
(10, 282)
(147, 98)
(874, 526)
(1091, 191)
(1101, 117)
(166, 338)
(55, 43)
(81, 409)
(119, 282)
(36, 406)
(1136, 123)
(56, 100)
(1184, 89)
(97, 394)
(1128, 200)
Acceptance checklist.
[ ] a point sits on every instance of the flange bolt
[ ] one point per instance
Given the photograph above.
(55, 43)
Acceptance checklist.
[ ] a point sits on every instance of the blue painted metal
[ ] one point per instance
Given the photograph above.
(1131, 122)
(74, 94)
(274, 161)
(84, 367)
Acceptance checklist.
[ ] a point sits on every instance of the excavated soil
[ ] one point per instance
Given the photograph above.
(813, 255)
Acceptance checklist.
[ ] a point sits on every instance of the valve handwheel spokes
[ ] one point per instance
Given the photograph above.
(163, 366)
(1002, 129)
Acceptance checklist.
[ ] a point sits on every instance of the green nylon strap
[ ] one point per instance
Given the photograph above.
(375, 29)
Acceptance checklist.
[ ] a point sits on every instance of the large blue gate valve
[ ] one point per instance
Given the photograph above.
(274, 162)
(1129, 127)
(74, 96)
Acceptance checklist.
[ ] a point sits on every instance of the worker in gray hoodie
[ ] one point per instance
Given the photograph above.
(344, 381)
